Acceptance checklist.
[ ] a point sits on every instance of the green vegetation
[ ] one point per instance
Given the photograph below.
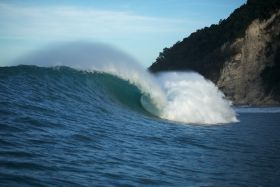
(201, 50)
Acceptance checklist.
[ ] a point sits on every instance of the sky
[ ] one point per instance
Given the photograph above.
(140, 28)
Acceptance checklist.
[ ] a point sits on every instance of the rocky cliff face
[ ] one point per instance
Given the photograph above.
(241, 77)
(241, 54)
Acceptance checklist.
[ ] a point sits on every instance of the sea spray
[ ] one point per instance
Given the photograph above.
(193, 99)
(183, 97)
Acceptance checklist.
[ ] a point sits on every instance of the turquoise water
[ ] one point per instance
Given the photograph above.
(62, 127)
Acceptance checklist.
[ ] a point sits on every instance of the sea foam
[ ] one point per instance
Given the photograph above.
(193, 99)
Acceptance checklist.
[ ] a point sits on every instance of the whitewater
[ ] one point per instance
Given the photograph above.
(185, 97)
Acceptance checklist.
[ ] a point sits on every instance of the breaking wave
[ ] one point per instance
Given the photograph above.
(102, 71)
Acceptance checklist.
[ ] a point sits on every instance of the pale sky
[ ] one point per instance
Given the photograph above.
(140, 28)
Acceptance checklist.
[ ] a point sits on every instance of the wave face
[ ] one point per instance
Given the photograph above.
(107, 78)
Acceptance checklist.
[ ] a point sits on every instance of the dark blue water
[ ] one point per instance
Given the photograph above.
(61, 127)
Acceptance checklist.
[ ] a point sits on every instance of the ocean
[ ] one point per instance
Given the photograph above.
(117, 125)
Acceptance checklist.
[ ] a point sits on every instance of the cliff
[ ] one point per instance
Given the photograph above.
(241, 54)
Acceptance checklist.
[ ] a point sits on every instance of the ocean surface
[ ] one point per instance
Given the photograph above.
(65, 127)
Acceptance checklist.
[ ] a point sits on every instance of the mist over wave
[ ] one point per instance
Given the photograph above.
(183, 97)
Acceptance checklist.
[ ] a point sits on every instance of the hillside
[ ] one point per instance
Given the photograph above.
(241, 54)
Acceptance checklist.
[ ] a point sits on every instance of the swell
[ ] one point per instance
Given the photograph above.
(190, 98)
(40, 89)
